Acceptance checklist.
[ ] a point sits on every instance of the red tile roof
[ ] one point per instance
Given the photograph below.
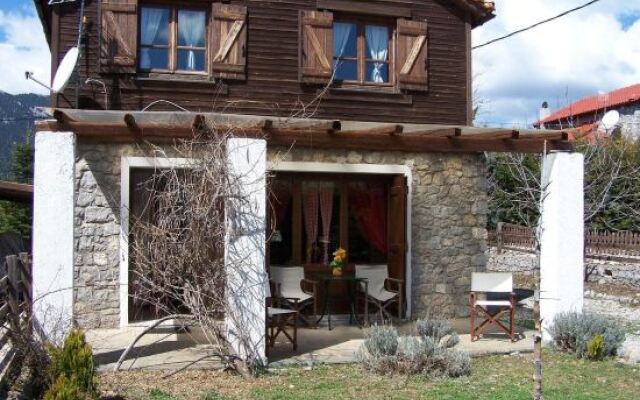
(626, 95)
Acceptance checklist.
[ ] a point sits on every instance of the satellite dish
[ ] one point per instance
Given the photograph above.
(65, 70)
(610, 119)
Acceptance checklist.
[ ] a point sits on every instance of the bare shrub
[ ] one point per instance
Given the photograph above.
(177, 242)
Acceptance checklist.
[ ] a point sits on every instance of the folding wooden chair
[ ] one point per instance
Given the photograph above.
(492, 310)
(291, 284)
(382, 291)
(278, 319)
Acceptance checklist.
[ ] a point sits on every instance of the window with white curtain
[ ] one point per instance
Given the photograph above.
(362, 51)
(172, 39)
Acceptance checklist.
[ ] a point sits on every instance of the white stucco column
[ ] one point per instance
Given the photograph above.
(245, 249)
(53, 213)
(562, 237)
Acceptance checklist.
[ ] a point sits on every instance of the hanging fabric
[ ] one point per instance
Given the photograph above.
(154, 24)
(378, 44)
(280, 201)
(341, 33)
(310, 207)
(368, 206)
(191, 26)
(326, 211)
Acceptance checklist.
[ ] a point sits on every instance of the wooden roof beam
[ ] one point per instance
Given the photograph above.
(495, 135)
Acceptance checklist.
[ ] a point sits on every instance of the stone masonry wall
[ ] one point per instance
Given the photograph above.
(601, 271)
(448, 225)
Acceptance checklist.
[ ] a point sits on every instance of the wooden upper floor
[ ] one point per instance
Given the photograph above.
(404, 61)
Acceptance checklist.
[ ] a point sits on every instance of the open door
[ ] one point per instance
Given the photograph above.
(397, 228)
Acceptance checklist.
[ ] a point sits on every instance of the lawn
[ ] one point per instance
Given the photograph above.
(496, 378)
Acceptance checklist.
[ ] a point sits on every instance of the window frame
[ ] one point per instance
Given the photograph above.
(361, 58)
(173, 46)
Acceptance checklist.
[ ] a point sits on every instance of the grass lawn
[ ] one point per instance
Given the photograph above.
(496, 378)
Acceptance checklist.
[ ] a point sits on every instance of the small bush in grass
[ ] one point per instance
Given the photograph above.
(72, 368)
(429, 353)
(595, 348)
(573, 331)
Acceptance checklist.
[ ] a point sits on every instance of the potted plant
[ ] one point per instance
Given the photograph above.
(338, 261)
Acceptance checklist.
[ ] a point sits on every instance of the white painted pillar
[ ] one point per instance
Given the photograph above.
(562, 237)
(245, 250)
(53, 214)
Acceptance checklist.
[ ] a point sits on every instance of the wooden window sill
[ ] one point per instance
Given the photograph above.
(188, 83)
(369, 94)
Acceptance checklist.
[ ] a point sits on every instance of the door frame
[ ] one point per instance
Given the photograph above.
(365, 169)
(126, 164)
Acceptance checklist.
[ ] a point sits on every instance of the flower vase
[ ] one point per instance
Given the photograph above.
(336, 271)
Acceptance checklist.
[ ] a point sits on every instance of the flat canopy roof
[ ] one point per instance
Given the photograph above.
(166, 126)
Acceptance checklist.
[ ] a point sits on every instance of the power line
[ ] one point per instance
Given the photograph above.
(535, 25)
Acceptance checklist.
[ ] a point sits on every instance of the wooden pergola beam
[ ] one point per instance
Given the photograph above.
(13, 191)
(379, 130)
(440, 139)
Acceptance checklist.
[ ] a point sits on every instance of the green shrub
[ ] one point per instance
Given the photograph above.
(595, 348)
(73, 363)
(430, 353)
(63, 389)
(572, 332)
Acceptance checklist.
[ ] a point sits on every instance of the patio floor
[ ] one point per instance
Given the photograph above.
(167, 350)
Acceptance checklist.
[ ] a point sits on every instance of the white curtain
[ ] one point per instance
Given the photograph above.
(191, 26)
(378, 41)
(341, 32)
(151, 33)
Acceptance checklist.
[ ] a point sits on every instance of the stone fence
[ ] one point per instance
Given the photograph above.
(599, 270)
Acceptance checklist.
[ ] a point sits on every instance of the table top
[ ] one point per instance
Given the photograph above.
(331, 277)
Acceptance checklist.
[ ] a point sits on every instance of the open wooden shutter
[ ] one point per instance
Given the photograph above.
(411, 59)
(228, 49)
(316, 46)
(119, 36)
(397, 228)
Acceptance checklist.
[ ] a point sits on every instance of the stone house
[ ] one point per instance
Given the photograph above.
(390, 89)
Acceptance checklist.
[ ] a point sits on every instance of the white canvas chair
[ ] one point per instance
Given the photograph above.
(493, 310)
(382, 291)
(278, 319)
(291, 284)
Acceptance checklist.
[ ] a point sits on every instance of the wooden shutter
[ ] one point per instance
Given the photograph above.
(315, 46)
(228, 49)
(411, 59)
(397, 228)
(119, 36)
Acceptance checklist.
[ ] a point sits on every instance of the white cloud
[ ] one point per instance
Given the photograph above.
(559, 62)
(23, 48)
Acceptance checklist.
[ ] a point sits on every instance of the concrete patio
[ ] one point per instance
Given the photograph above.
(165, 349)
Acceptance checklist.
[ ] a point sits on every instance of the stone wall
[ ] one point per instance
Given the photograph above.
(448, 225)
(600, 270)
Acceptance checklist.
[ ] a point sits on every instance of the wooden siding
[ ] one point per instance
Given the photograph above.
(272, 86)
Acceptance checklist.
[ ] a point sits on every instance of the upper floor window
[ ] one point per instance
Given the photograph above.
(172, 39)
(361, 51)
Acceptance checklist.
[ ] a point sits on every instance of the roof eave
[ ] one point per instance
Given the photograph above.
(45, 25)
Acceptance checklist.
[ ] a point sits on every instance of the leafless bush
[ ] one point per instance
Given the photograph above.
(177, 241)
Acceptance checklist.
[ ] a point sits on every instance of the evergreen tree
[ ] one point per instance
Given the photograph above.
(17, 217)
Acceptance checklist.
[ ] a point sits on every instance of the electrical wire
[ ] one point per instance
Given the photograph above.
(535, 25)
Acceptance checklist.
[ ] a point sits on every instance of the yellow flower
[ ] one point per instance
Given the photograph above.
(340, 253)
(337, 259)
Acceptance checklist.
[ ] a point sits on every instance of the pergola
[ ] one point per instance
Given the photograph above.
(161, 126)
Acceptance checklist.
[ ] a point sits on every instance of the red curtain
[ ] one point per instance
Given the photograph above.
(280, 201)
(310, 206)
(368, 205)
(326, 211)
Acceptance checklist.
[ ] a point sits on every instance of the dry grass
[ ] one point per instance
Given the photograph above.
(497, 377)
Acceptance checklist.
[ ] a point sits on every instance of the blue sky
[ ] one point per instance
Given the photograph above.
(594, 50)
